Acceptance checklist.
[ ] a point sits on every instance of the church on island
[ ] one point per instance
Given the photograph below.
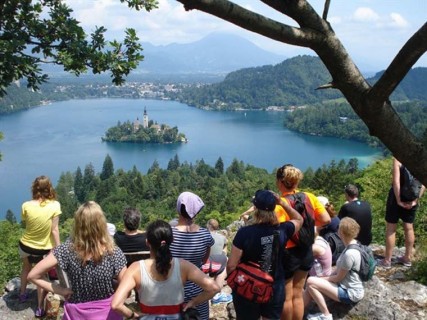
(145, 124)
(147, 132)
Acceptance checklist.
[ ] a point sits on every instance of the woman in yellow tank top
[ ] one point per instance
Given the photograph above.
(41, 217)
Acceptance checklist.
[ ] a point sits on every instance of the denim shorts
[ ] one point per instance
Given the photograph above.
(343, 296)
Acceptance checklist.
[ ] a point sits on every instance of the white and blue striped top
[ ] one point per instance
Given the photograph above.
(192, 246)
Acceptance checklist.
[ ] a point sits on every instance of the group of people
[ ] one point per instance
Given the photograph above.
(308, 273)
(171, 280)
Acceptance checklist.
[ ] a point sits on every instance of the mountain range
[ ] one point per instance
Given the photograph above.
(217, 53)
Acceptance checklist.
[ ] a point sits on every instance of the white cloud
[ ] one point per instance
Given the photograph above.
(379, 26)
(398, 20)
(365, 14)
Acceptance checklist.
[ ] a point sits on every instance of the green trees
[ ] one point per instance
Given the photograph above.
(36, 32)
(219, 166)
(107, 168)
(337, 119)
(10, 262)
(10, 216)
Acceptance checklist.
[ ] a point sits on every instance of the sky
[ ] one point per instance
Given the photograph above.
(373, 31)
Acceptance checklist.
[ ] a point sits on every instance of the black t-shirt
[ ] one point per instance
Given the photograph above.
(131, 243)
(256, 242)
(361, 212)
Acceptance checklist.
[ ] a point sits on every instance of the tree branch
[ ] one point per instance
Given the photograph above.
(413, 49)
(252, 21)
(326, 9)
(302, 12)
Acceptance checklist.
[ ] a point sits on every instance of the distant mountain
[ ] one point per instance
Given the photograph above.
(290, 83)
(217, 53)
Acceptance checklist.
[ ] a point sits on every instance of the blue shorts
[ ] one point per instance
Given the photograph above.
(247, 310)
(343, 296)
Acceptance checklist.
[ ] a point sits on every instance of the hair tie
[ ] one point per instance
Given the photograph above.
(162, 243)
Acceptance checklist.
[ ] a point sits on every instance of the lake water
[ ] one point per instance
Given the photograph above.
(60, 137)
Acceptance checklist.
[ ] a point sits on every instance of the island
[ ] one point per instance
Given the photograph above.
(147, 132)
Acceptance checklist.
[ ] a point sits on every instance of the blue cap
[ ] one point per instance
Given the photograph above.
(264, 200)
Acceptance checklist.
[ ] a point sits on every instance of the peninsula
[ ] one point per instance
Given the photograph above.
(147, 132)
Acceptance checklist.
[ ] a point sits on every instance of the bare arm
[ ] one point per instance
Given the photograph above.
(55, 231)
(423, 188)
(318, 250)
(338, 276)
(190, 272)
(234, 259)
(37, 276)
(245, 215)
(323, 219)
(128, 279)
(396, 181)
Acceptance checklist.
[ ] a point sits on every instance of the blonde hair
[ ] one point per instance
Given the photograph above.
(264, 217)
(90, 236)
(212, 224)
(289, 175)
(349, 228)
(42, 189)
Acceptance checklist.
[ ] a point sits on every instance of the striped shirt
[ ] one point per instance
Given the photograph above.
(192, 246)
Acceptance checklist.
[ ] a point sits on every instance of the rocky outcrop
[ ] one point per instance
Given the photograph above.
(389, 295)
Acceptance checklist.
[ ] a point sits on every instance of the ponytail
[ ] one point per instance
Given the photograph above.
(163, 258)
(159, 235)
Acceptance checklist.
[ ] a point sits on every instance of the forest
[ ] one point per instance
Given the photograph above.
(227, 192)
(290, 83)
(337, 119)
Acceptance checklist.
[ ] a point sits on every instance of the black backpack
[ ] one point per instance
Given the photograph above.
(410, 187)
(304, 238)
(336, 244)
(368, 263)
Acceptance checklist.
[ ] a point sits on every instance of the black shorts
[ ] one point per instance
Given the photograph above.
(297, 259)
(394, 212)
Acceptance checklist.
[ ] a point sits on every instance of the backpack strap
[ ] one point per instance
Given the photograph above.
(358, 248)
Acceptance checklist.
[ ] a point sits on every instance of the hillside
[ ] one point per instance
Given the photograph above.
(413, 87)
(290, 83)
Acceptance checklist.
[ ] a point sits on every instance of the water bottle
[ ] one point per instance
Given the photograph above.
(318, 268)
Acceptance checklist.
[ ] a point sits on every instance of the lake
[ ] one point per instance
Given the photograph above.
(59, 137)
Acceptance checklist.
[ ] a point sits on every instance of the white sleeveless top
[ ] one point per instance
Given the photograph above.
(161, 299)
